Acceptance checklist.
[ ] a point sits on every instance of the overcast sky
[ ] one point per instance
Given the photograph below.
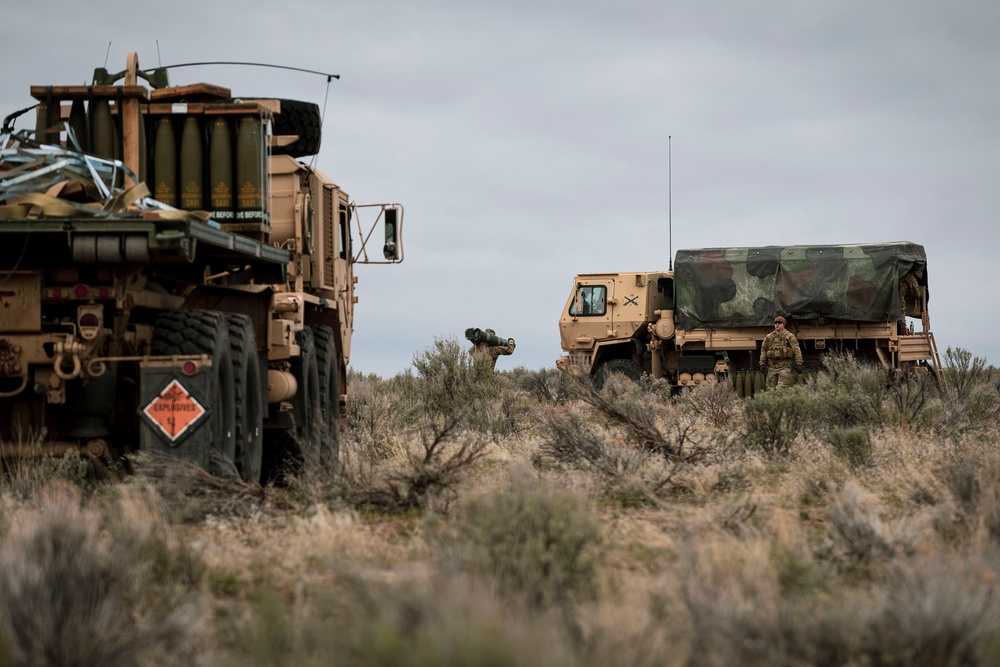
(528, 141)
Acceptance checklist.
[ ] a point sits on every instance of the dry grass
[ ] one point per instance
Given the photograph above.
(527, 520)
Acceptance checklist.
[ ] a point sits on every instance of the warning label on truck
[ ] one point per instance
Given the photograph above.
(174, 410)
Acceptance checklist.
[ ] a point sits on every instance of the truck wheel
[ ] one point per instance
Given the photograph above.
(205, 332)
(625, 368)
(285, 449)
(308, 413)
(329, 391)
(249, 397)
(301, 118)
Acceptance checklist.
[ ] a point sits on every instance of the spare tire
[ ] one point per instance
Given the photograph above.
(303, 119)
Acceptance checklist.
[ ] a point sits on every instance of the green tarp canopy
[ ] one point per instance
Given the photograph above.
(733, 287)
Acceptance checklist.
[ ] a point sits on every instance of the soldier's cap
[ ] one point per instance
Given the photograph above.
(779, 318)
(491, 331)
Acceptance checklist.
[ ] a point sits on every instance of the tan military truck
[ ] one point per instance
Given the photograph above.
(705, 320)
(173, 277)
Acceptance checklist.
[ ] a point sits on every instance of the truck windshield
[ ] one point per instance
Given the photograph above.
(591, 300)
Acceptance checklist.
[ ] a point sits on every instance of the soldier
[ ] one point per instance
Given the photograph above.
(492, 352)
(779, 352)
(909, 296)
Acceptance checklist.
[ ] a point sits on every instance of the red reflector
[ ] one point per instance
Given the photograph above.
(89, 320)
(189, 368)
(81, 291)
(57, 293)
(104, 292)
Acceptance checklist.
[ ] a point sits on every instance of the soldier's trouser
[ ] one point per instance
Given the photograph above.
(779, 377)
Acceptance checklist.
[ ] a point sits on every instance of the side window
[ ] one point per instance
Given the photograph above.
(591, 300)
(665, 286)
(344, 243)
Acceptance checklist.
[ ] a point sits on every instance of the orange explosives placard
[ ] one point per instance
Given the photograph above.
(174, 410)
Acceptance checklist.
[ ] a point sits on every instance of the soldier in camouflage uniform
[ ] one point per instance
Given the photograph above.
(491, 352)
(909, 296)
(778, 354)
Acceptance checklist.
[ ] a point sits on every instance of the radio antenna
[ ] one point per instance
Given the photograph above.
(670, 213)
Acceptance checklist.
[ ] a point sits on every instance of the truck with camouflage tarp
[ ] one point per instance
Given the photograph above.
(706, 319)
(173, 277)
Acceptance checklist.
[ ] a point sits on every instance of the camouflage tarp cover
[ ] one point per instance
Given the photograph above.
(731, 287)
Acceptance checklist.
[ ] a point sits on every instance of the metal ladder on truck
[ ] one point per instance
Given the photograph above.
(920, 347)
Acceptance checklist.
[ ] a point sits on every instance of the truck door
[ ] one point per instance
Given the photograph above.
(592, 309)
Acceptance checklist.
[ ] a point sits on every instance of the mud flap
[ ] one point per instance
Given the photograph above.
(175, 411)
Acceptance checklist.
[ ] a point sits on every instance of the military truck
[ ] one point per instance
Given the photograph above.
(173, 277)
(705, 320)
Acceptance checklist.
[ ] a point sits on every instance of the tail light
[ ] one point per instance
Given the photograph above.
(89, 321)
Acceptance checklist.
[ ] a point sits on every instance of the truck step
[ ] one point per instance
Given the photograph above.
(920, 347)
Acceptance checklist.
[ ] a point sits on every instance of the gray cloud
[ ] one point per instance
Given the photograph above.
(528, 141)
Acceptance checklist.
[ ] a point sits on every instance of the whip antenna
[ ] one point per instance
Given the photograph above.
(670, 213)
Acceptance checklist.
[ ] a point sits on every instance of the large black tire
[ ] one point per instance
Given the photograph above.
(301, 118)
(205, 332)
(249, 395)
(307, 410)
(329, 389)
(287, 449)
(626, 368)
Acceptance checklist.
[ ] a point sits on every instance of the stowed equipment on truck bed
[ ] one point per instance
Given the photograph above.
(210, 318)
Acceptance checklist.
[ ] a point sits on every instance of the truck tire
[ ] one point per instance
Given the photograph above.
(623, 367)
(205, 332)
(286, 450)
(249, 397)
(308, 414)
(301, 118)
(329, 391)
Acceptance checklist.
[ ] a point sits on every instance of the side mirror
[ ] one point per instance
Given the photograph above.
(391, 249)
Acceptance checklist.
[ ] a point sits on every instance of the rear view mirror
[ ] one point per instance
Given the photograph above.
(391, 248)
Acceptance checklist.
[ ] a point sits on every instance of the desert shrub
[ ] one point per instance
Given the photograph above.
(546, 385)
(451, 383)
(79, 588)
(938, 611)
(967, 411)
(25, 477)
(374, 415)
(732, 477)
(641, 417)
(716, 402)
(751, 605)
(860, 542)
(448, 427)
(853, 393)
(961, 477)
(534, 543)
(425, 478)
(503, 412)
(864, 394)
(454, 386)
(970, 400)
(186, 493)
(568, 437)
(445, 619)
(730, 590)
(773, 419)
(964, 372)
(974, 486)
(853, 445)
(628, 474)
(910, 394)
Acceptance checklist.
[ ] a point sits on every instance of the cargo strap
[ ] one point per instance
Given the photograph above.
(37, 204)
